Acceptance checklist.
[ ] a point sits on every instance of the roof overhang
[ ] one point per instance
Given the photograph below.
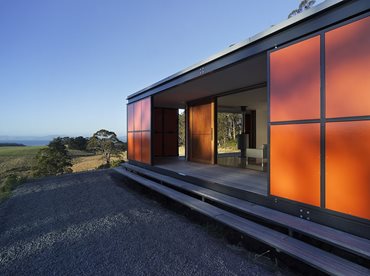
(321, 16)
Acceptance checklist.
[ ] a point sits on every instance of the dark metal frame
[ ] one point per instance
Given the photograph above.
(343, 13)
(323, 16)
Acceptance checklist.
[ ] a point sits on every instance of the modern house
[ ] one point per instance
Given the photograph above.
(302, 90)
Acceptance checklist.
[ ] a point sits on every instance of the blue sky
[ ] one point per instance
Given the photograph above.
(67, 66)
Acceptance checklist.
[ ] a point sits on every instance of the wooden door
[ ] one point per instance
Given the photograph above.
(201, 135)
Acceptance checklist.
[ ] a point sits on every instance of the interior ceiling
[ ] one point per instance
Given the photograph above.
(255, 99)
(250, 72)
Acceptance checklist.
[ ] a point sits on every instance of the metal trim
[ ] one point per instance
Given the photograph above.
(322, 122)
(314, 11)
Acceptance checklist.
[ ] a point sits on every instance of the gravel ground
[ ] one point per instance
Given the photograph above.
(93, 223)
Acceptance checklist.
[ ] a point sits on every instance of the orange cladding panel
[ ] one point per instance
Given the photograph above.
(295, 162)
(130, 117)
(145, 147)
(137, 146)
(295, 81)
(348, 167)
(137, 115)
(347, 55)
(130, 145)
(201, 128)
(145, 114)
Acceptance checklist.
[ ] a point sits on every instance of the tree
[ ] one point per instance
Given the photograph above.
(182, 128)
(304, 5)
(106, 143)
(53, 160)
(78, 143)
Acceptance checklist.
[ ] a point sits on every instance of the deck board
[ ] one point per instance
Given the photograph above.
(351, 243)
(243, 179)
(309, 254)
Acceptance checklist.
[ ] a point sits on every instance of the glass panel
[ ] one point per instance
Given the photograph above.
(130, 142)
(137, 115)
(137, 146)
(295, 81)
(130, 117)
(145, 147)
(145, 115)
(295, 162)
(348, 167)
(347, 53)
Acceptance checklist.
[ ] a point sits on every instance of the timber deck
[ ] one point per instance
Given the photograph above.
(239, 178)
(211, 203)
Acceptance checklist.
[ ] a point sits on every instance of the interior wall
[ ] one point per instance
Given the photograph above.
(261, 126)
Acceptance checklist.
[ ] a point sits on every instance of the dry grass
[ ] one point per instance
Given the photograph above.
(88, 163)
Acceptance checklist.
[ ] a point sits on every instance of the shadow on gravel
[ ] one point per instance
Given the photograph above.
(257, 252)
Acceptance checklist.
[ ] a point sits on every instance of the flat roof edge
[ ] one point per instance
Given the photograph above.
(274, 29)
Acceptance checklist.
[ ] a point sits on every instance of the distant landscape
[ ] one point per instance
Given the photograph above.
(19, 158)
(37, 140)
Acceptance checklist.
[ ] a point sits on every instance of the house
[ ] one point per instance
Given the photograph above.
(302, 89)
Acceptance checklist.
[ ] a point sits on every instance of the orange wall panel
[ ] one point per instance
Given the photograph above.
(145, 114)
(137, 115)
(347, 70)
(295, 162)
(145, 147)
(201, 148)
(137, 146)
(348, 167)
(295, 81)
(130, 117)
(201, 130)
(202, 122)
(130, 145)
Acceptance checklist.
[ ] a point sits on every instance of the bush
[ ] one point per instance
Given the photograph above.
(9, 184)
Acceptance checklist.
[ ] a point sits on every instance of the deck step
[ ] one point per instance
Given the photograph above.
(351, 243)
(309, 254)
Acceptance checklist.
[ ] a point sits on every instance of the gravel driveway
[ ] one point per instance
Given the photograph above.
(92, 223)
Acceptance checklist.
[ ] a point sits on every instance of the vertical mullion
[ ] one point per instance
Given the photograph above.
(268, 126)
(322, 120)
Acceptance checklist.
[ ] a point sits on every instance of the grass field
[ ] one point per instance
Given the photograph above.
(20, 160)
(17, 160)
(16, 163)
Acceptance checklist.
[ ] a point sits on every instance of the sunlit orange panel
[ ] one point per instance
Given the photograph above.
(130, 117)
(130, 145)
(145, 147)
(137, 146)
(295, 81)
(295, 162)
(202, 119)
(201, 148)
(146, 114)
(348, 168)
(347, 53)
(137, 115)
